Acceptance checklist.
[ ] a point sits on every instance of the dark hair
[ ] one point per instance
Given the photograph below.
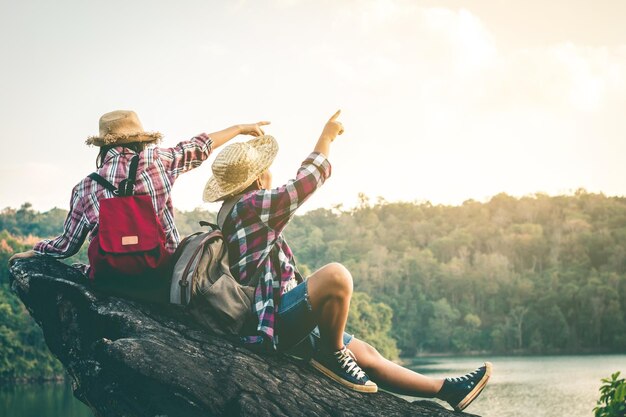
(133, 146)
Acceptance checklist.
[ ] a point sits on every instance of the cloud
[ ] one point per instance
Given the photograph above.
(462, 35)
(431, 90)
(451, 57)
(557, 77)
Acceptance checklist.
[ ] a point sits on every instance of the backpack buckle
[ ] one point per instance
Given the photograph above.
(126, 187)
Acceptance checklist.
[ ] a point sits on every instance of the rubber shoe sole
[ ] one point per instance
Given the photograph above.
(471, 396)
(369, 387)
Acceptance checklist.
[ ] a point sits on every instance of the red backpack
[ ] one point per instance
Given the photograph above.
(130, 244)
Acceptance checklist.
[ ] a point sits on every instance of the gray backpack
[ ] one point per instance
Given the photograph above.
(201, 280)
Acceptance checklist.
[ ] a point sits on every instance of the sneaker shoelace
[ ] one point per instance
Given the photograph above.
(347, 359)
(465, 377)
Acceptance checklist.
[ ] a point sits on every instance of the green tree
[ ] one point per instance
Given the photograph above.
(612, 402)
(532, 274)
(442, 324)
(371, 322)
(23, 353)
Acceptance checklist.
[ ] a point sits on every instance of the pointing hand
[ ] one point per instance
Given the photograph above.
(333, 127)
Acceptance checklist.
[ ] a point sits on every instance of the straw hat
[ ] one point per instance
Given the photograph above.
(119, 127)
(238, 165)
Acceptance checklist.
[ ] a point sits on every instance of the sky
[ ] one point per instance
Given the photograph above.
(441, 101)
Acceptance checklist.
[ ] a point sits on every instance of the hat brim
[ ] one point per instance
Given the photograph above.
(267, 148)
(120, 139)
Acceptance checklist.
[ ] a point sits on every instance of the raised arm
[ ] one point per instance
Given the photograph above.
(276, 206)
(187, 155)
(223, 136)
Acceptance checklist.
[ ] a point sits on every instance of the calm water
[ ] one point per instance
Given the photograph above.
(551, 386)
(41, 400)
(548, 386)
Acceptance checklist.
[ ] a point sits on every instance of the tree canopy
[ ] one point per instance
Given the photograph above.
(537, 274)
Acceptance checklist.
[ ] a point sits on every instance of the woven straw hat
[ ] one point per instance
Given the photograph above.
(238, 165)
(119, 127)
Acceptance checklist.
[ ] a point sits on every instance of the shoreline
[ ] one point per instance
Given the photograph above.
(406, 360)
(33, 380)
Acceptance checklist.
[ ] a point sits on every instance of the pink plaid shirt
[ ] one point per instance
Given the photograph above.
(257, 249)
(158, 169)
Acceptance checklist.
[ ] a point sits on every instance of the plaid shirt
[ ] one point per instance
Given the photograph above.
(158, 169)
(256, 247)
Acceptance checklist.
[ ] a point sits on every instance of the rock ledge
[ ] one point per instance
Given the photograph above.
(135, 360)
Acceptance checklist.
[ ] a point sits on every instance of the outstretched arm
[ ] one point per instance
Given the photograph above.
(187, 155)
(223, 136)
(276, 206)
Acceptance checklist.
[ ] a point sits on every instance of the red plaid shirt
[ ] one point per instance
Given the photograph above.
(256, 247)
(158, 169)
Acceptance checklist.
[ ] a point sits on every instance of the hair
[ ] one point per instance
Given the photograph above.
(133, 146)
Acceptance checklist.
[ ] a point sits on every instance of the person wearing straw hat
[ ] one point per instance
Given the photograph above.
(304, 317)
(121, 137)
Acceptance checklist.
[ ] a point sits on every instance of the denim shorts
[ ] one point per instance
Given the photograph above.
(296, 328)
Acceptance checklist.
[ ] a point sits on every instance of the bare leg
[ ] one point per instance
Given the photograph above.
(330, 290)
(390, 375)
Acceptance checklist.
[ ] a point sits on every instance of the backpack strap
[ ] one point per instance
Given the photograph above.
(226, 208)
(126, 187)
(183, 282)
(100, 180)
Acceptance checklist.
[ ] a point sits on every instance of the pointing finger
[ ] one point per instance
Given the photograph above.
(263, 123)
(334, 116)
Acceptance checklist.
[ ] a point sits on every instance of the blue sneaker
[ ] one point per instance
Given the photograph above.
(460, 392)
(341, 366)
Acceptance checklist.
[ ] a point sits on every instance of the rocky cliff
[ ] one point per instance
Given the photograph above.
(133, 359)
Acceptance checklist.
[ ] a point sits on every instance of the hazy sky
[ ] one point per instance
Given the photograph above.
(441, 100)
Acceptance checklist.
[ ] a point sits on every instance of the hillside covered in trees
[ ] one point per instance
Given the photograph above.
(538, 274)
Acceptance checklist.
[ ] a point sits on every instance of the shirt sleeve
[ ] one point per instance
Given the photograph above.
(186, 155)
(75, 231)
(275, 207)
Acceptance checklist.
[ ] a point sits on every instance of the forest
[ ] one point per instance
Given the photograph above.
(533, 275)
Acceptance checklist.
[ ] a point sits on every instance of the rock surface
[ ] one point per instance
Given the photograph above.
(132, 359)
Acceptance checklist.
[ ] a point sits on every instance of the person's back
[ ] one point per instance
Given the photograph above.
(122, 137)
(257, 250)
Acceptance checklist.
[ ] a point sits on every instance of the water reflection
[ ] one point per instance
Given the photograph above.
(41, 400)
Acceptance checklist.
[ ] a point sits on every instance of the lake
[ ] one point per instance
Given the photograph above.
(41, 400)
(537, 386)
(545, 386)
